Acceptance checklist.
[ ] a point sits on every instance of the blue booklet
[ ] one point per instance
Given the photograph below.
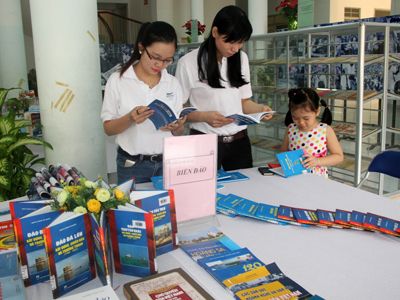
(158, 182)
(390, 226)
(286, 213)
(230, 264)
(164, 114)
(235, 176)
(206, 243)
(249, 119)
(222, 174)
(305, 216)
(290, 162)
(231, 202)
(221, 209)
(8, 264)
(247, 208)
(12, 288)
(342, 217)
(269, 213)
(357, 220)
(372, 221)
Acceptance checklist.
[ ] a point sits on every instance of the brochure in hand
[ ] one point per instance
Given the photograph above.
(290, 162)
(243, 119)
(164, 114)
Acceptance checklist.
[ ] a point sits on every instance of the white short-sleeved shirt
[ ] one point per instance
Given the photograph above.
(226, 100)
(124, 93)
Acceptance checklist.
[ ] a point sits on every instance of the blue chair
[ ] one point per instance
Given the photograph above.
(387, 162)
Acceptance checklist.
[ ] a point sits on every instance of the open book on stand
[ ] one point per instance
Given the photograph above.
(164, 114)
(243, 119)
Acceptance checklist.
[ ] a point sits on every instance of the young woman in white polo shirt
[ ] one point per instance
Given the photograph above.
(128, 92)
(216, 80)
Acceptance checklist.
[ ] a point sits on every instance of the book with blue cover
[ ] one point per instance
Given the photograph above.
(22, 208)
(8, 264)
(101, 247)
(290, 162)
(249, 119)
(327, 218)
(305, 216)
(269, 213)
(247, 208)
(357, 220)
(164, 114)
(222, 174)
(133, 240)
(230, 264)
(206, 243)
(69, 249)
(221, 209)
(231, 203)
(342, 217)
(390, 226)
(12, 288)
(31, 244)
(235, 176)
(286, 213)
(372, 221)
(162, 204)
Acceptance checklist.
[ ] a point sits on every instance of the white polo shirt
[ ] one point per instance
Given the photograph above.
(124, 93)
(226, 100)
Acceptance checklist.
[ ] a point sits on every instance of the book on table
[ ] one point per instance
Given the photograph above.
(8, 263)
(102, 249)
(222, 174)
(164, 114)
(286, 213)
(390, 226)
(162, 204)
(305, 216)
(231, 203)
(269, 213)
(234, 177)
(69, 250)
(357, 220)
(327, 218)
(249, 119)
(173, 284)
(206, 243)
(247, 208)
(372, 221)
(31, 244)
(133, 240)
(222, 209)
(290, 162)
(12, 288)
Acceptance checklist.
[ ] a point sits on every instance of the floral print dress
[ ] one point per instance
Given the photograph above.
(313, 141)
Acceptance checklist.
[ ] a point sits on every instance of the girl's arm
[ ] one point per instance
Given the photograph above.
(212, 118)
(250, 107)
(285, 142)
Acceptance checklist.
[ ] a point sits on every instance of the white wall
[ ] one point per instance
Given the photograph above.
(367, 8)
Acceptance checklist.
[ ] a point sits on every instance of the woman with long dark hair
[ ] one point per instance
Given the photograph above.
(128, 92)
(216, 80)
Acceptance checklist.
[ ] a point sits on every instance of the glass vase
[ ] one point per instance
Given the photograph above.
(292, 24)
(189, 39)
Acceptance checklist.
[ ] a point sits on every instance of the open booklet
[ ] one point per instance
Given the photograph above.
(164, 114)
(242, 119)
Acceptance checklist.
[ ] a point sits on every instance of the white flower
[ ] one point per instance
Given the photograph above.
(90, 184)
(62, 197)
(80, 210)
(103, 195)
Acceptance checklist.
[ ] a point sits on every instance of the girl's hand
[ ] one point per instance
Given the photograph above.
(215, 119)
(140, 114)
(174, 126)
(309, 161)
(267, 117)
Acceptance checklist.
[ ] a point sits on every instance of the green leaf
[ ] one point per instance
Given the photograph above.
(6, 125)
(7, 139)
(28, 141)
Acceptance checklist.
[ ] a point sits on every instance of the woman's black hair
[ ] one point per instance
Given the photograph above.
(307, 99)
(148, 34)
(232, 22)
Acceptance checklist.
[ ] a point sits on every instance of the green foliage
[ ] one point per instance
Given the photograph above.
(16, 160)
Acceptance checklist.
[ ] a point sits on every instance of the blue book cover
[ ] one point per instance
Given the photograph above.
(235, 176)
(206, 243)
(22, 208)
(31, 244)
(158, 182)
(327, 218)
(231, 202)
(316, 297)
(69, 250)
(12, 288)
(290, 162)
(221, 209)
(222, 174)
(249, 119)
(372, 221)
(8, 264)
(230, 264)
(162, 205)
(247, 208)
(269, 213)
(305, 216)
(164, 114)
(286, 213)
(133, 240)
(390, 226)
(357, 220)
(342, 217)
(101, 246)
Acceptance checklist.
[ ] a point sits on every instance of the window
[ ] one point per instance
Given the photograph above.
(351, 13)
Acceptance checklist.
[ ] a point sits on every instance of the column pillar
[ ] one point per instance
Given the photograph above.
(197, 13)
(258, 16)
(13, 71)
(66, 45)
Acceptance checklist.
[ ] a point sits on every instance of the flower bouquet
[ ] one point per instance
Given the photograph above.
(90, 196)
(188, 28)
(288, 10)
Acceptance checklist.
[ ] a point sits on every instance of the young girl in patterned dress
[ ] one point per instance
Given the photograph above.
(304, 131)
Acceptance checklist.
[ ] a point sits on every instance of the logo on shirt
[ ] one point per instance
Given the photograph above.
(170, 95)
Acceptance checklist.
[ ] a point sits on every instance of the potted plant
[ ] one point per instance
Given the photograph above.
(188, 28)
(16, 160)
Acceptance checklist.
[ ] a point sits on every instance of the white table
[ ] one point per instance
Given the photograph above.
(333, 263)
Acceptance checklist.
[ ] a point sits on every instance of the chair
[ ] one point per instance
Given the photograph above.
(387, 162)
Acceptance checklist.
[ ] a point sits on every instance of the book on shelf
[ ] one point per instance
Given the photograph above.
(12, 288)
(249, 119)
(322, 93)
(390, 226)
(69, 249)
(31, 244)
(346, 94)
(190, 169)
(334, 93)
(173, 284)
(305, 216)
(266, 282)
(234, 177)
(350, 129)
(268, 213)
(367, 95)
(8, 263)
(164, 114)
(290, 162)
(133, 240)
(100, 293)
(162, 205)
(102, 251)
(230, 264)
(206, 243)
